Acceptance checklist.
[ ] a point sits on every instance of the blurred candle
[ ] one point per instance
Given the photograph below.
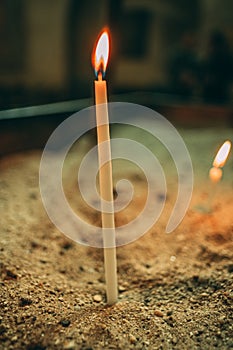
(215, 173)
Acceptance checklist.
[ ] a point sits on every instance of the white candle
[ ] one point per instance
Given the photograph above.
(105, 172)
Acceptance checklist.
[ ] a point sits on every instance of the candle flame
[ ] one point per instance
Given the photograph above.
(101, 53)
(222, 155)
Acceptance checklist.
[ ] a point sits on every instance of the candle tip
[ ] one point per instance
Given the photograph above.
(100, 76)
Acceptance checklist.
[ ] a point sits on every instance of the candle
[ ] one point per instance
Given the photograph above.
(215, 173)
(100, 58)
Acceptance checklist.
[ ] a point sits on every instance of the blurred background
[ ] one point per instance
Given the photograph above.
(172, 55)
(175, 47)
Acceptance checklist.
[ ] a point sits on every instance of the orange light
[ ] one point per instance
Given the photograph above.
(100, 53)
(222, 155)
(215, 174)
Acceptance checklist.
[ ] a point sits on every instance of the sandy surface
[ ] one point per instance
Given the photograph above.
(175, 291)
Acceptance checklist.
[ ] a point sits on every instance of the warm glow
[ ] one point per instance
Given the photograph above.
(101, 53)
(222, 155)
(215, 174)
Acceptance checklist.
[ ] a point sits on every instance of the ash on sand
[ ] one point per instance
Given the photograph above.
(175, 291)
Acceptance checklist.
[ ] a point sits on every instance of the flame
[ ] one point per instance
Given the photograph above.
(101, 53)
(222, 155)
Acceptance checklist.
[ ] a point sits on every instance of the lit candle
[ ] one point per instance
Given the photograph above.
(215, 172)
(100, 59)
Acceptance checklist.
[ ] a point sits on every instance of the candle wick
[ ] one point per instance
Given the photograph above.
(100, 76)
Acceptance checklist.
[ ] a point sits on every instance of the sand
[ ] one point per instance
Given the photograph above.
(175, 290)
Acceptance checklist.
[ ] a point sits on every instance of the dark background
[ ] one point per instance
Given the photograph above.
(175, 47)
